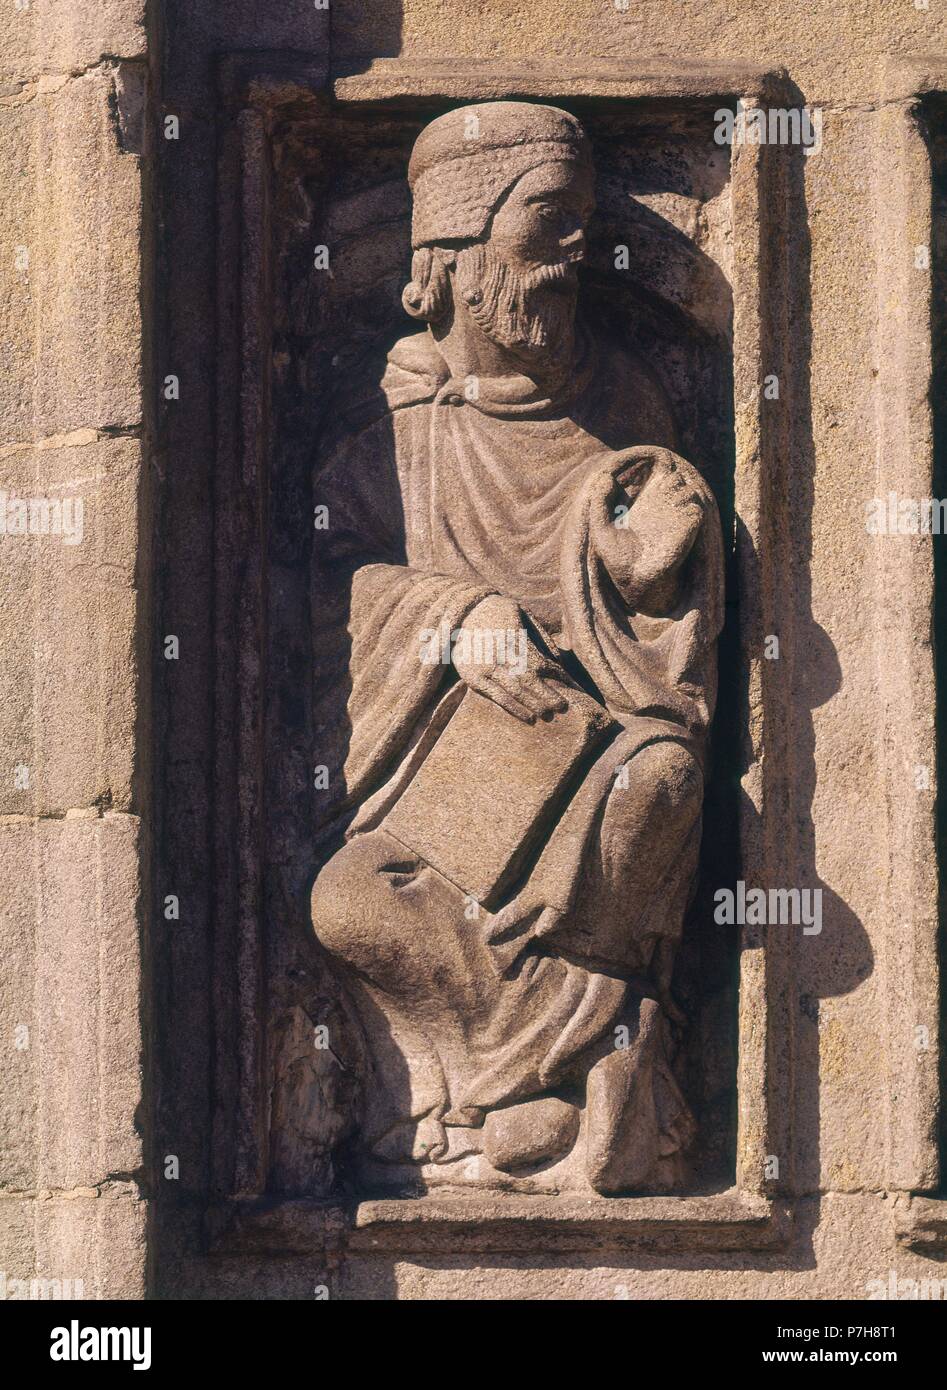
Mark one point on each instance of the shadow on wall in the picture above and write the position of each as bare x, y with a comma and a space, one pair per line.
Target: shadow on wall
839, 958
361, 33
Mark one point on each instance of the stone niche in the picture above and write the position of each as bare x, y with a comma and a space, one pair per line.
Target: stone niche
698, 294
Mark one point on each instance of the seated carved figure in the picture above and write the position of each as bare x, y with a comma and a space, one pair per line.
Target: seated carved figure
519, 589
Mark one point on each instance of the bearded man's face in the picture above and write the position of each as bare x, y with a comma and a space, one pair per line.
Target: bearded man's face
520, 285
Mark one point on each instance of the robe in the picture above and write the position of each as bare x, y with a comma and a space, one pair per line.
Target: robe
440, 493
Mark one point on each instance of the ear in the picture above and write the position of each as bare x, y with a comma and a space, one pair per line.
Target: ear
427, 294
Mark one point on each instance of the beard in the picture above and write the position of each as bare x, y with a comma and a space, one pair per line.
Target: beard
526, 312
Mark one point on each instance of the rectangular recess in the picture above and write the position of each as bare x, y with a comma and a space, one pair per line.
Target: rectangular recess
254, 85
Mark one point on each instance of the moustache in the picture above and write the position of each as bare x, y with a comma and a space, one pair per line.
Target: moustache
561, 272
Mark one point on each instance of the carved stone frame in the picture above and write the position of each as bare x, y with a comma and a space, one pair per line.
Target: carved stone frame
906, 593
754, 1213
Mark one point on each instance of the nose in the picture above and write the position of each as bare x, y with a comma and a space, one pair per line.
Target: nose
574, 244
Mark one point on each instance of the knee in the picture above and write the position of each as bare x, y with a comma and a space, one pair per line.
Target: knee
365, 910
672, 776
676, 770
344, 909
330, 899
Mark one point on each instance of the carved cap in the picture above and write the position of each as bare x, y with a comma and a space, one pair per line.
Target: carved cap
465, 160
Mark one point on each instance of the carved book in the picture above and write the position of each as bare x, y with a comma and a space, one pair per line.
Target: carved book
477, 806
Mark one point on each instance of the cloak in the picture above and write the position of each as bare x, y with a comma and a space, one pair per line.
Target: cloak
441, 492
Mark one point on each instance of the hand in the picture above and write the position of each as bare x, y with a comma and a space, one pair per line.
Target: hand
644, 545
494, 656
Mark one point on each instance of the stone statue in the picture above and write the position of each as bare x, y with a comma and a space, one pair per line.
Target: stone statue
517, 595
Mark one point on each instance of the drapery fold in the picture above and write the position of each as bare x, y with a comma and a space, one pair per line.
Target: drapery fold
450, 496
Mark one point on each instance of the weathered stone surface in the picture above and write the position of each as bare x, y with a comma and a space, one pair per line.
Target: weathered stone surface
842, 1249
19, 1091
98, 1240
74, 569
825, 776
772, 262
69, 657
72, 1089
71, 277
68, 36
829, 53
